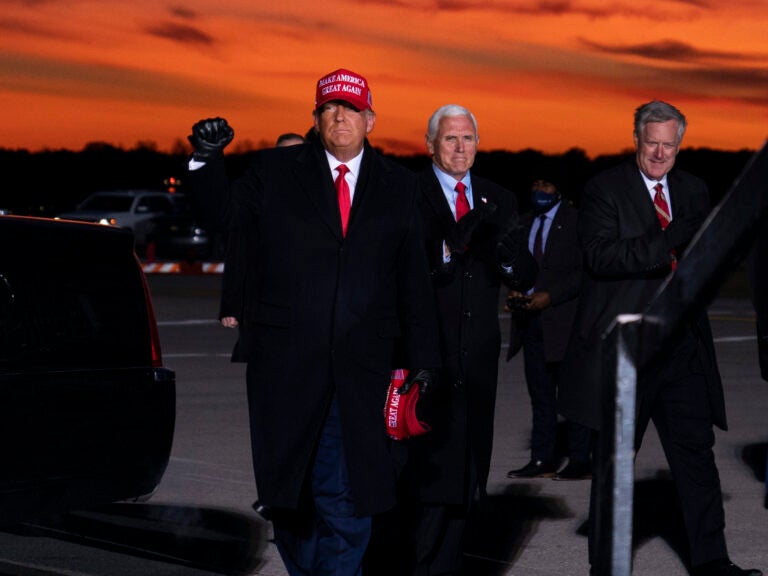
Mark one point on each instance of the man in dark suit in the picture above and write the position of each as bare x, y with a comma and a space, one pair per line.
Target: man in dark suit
541, 323
634, 222
473, 243
339, 275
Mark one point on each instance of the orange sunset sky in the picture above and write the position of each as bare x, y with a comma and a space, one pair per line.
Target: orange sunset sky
549, 75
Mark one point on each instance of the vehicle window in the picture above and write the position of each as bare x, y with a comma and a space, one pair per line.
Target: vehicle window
107, 203
153, 204
65, 312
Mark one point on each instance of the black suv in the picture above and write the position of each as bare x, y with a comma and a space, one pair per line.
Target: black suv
87, 410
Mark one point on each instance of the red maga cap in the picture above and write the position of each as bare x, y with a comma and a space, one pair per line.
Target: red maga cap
400, 418
344, 85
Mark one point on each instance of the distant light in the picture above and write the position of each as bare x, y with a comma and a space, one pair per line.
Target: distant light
171, 184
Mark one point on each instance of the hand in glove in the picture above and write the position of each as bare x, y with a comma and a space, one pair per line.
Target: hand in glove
680, 231
425, 378
209, 138
459, 238
516, 264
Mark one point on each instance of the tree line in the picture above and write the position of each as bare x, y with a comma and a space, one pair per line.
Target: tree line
48, 182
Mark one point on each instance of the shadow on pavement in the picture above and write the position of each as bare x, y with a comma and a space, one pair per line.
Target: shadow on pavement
754, 456
658, 515
219, 541
503, 524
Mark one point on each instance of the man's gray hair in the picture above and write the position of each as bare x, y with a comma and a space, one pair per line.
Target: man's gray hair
658, 111
447, 111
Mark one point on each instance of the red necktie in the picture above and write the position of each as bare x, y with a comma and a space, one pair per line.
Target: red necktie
662, 208
462, 204
342, 193
662, 211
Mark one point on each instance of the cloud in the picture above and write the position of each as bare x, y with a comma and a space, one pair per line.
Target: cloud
592, 10
403, 147
746, 85
737, 83
670, 50
33, 3
17, 26
183, 12
181, 33
69, 79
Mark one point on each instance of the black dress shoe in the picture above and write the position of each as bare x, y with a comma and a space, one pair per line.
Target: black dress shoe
534, 469
575, 470
263, 511
724, 567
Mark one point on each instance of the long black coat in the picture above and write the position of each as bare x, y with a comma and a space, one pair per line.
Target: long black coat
323, 312
560, 275
467, 294
626, 258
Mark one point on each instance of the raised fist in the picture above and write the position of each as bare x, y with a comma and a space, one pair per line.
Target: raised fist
209, 138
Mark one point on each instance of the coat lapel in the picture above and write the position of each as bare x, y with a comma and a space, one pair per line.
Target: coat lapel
677, 193
638, 194
314, 177
433, 193
370, 177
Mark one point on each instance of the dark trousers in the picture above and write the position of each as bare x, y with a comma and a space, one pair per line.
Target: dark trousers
326, 538
674, 396
440, 542
542, 378
438, 530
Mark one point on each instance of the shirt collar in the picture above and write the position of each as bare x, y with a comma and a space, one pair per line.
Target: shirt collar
650, 183
448, 182
353, 164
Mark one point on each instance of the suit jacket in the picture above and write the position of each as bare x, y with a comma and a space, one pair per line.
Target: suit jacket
626, 258
323, 311
560, 275
467, 295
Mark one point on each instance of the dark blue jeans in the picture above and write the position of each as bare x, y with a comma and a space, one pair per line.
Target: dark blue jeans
333, 540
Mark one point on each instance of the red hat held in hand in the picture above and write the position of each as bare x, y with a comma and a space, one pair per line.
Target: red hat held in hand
400, 410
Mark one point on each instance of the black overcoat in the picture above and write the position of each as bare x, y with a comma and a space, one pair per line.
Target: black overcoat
323, 311
467, 295
626, 258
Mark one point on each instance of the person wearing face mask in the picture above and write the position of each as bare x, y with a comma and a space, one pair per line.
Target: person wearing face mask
541, 322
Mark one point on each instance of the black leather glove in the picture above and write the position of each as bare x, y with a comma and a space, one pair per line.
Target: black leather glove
511, 244
680, 231
209, 138
516, 263
425, 378
459, 237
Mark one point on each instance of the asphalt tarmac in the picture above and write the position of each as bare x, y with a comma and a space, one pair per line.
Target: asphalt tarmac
537, 527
